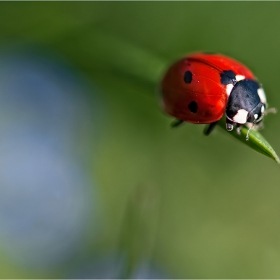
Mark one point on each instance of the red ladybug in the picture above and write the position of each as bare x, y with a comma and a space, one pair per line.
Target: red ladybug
201, 88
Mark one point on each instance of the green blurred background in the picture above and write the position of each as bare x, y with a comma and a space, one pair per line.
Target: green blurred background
182, 204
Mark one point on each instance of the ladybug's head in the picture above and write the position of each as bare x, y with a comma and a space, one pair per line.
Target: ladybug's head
246, 103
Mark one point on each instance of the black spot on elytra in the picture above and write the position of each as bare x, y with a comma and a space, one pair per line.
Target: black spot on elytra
228, 77
193, 107
188, 77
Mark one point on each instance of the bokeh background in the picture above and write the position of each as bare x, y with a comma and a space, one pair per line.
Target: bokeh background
93, 181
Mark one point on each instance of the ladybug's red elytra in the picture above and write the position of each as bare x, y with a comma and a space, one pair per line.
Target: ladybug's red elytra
200, 88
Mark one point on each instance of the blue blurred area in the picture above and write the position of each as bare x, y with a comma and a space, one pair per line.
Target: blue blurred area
48, 197
113, 267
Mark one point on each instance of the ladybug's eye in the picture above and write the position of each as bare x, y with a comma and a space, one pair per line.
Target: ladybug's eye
259, 117
257, 114
251, 118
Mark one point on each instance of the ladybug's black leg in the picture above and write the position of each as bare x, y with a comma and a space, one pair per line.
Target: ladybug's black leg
229, 125
209, 128
238, 128
176, 123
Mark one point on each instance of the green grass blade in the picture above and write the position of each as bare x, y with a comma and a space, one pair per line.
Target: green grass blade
256, 141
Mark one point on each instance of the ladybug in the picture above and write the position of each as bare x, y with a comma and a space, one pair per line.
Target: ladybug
200, 88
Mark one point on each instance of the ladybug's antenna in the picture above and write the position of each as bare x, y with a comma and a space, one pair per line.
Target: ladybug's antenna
248, 132
270, 110
266, 112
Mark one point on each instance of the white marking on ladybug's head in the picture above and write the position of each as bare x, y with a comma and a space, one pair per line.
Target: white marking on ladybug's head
239, 77
256, 116
262, 95
241, 116
229, 88
262, 109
